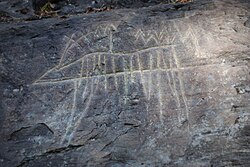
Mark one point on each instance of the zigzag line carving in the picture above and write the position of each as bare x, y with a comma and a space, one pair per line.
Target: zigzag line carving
154, 36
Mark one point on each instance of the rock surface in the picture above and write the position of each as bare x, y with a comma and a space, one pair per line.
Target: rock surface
163, 85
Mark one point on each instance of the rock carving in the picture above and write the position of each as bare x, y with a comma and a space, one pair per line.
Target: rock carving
158, 63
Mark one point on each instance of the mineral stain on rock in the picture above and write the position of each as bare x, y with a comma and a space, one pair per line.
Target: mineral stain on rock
166, 84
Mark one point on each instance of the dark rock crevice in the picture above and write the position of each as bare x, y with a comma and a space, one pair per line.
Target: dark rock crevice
24, 133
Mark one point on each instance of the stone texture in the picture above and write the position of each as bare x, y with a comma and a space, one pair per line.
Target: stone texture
163, 85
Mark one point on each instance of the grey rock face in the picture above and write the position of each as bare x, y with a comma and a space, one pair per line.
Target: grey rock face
164, 85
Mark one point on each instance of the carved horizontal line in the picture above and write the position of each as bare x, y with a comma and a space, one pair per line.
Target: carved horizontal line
92, 55
113, 53
124, 73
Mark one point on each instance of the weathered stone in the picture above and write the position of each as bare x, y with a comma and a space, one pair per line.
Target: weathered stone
163, 85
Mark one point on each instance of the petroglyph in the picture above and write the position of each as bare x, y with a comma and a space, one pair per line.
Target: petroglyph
131, 69
157, 37
182, 91
163, 85
189, 37
84, 91
70, 121
174, 89
87, 62
108, 70
78, 43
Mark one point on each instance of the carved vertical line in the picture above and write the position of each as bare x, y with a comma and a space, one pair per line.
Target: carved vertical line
150, 75
175, 90
164, 56
99, 60
195, 42
141, 75
158, 61
105, 73
85, 89
70, 122
95, 63
82, 68
125, 79
111, 41
93, 88
113, 66
131, 68
160, 95
139, 62
181, 85
99, 66
87, 73
159, 87
142, 81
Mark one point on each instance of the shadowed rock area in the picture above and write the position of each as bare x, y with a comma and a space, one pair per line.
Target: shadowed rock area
147, 83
